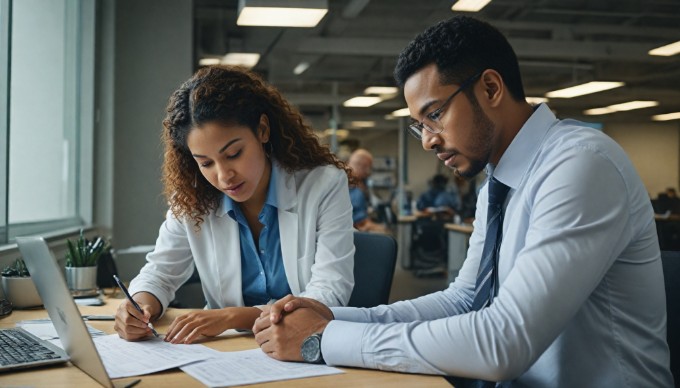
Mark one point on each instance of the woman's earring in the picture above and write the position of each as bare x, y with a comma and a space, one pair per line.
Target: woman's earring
195, 180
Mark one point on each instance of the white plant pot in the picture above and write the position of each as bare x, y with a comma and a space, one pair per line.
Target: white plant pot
21, 292
81, 278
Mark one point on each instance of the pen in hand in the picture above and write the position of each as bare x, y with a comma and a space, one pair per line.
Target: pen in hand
127, 295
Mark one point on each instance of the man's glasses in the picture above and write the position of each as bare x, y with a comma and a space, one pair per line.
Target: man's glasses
432, 121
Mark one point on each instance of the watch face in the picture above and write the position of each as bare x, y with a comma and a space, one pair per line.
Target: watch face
311, 349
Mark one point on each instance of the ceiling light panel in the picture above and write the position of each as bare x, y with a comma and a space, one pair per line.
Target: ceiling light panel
281, 13
361, 102
583, 89
470, 5
667, 50
667, 116
241, 59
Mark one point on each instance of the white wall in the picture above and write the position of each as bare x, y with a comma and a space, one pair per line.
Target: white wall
653, 148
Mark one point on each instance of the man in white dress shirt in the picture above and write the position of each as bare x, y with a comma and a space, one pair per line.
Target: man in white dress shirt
579, 299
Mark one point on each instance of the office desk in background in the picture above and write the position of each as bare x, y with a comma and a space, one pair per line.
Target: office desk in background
404, 236
70, 376
459, 241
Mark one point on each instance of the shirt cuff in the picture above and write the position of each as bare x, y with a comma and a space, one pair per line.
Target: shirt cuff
351, 314
341, 343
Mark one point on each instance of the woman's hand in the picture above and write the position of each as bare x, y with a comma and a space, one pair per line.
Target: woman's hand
188, 328
130, 324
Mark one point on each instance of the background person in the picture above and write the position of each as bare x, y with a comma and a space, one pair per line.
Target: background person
361, 164
257, 205
438, 199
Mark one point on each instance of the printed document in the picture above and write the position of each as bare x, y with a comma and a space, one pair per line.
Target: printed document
250, 367
124, 359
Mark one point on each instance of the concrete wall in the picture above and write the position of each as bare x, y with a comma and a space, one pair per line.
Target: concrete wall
153, 56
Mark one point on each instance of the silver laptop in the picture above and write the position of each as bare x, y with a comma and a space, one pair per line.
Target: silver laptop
51, 285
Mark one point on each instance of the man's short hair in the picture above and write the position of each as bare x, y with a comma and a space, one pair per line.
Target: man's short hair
461, 47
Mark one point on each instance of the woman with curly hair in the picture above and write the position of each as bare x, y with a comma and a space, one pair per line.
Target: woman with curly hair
257, 206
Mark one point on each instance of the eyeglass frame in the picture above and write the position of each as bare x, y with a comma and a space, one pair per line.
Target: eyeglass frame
416, 127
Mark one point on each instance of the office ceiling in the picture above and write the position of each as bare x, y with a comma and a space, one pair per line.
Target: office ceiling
559, 43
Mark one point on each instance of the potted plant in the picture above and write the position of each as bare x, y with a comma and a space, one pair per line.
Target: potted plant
18, 286
81, 263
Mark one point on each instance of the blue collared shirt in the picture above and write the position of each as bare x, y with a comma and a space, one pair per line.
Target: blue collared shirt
359, 204
263, 277
581, 300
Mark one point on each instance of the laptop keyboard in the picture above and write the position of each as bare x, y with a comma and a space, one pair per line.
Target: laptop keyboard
18, 348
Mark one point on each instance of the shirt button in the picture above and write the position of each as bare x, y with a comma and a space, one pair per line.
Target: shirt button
261, 250
261, 272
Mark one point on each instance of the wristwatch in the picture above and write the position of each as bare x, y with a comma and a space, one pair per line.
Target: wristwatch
311, 349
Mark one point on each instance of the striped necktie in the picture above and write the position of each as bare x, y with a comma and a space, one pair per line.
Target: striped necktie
487, 275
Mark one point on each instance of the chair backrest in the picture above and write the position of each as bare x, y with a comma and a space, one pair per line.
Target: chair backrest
671, 274
374, 261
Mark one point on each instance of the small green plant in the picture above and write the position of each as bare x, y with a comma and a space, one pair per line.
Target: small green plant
17, 269
84, 252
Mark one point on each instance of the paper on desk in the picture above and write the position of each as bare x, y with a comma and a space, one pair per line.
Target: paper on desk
250, 367
124, 359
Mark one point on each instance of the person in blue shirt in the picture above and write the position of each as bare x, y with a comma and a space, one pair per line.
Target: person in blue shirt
361, 164
562, 285
257, 206
438, 199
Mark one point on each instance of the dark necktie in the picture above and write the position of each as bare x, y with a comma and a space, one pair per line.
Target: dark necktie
487, 275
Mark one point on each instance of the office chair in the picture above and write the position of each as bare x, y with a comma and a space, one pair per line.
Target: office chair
374, 261
671, 274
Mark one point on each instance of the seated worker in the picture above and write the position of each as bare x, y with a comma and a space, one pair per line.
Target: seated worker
563, 284
361, 164
257, 206
438, 199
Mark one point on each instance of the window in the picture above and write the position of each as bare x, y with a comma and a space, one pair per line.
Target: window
46, 86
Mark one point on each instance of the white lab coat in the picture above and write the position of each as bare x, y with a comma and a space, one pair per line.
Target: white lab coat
317, 244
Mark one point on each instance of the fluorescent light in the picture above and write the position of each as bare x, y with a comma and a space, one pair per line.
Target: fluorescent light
667, 50
469, 5
580, 90
598, 111
241, 59
667, 116
403, 112
299, 13
381, 90
301, 68
625, 106
361, 101
536, 100
362, 124
631, 105
208, 61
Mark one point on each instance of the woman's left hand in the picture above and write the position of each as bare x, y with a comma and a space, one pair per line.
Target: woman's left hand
188, 328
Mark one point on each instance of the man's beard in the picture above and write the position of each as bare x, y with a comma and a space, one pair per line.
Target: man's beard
481, 144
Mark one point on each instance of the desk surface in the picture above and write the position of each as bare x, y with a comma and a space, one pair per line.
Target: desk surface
70, 376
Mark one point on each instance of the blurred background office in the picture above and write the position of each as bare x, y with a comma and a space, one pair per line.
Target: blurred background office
83, 86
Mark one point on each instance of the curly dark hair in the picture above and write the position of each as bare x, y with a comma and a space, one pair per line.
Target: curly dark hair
460, 47
230, 95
